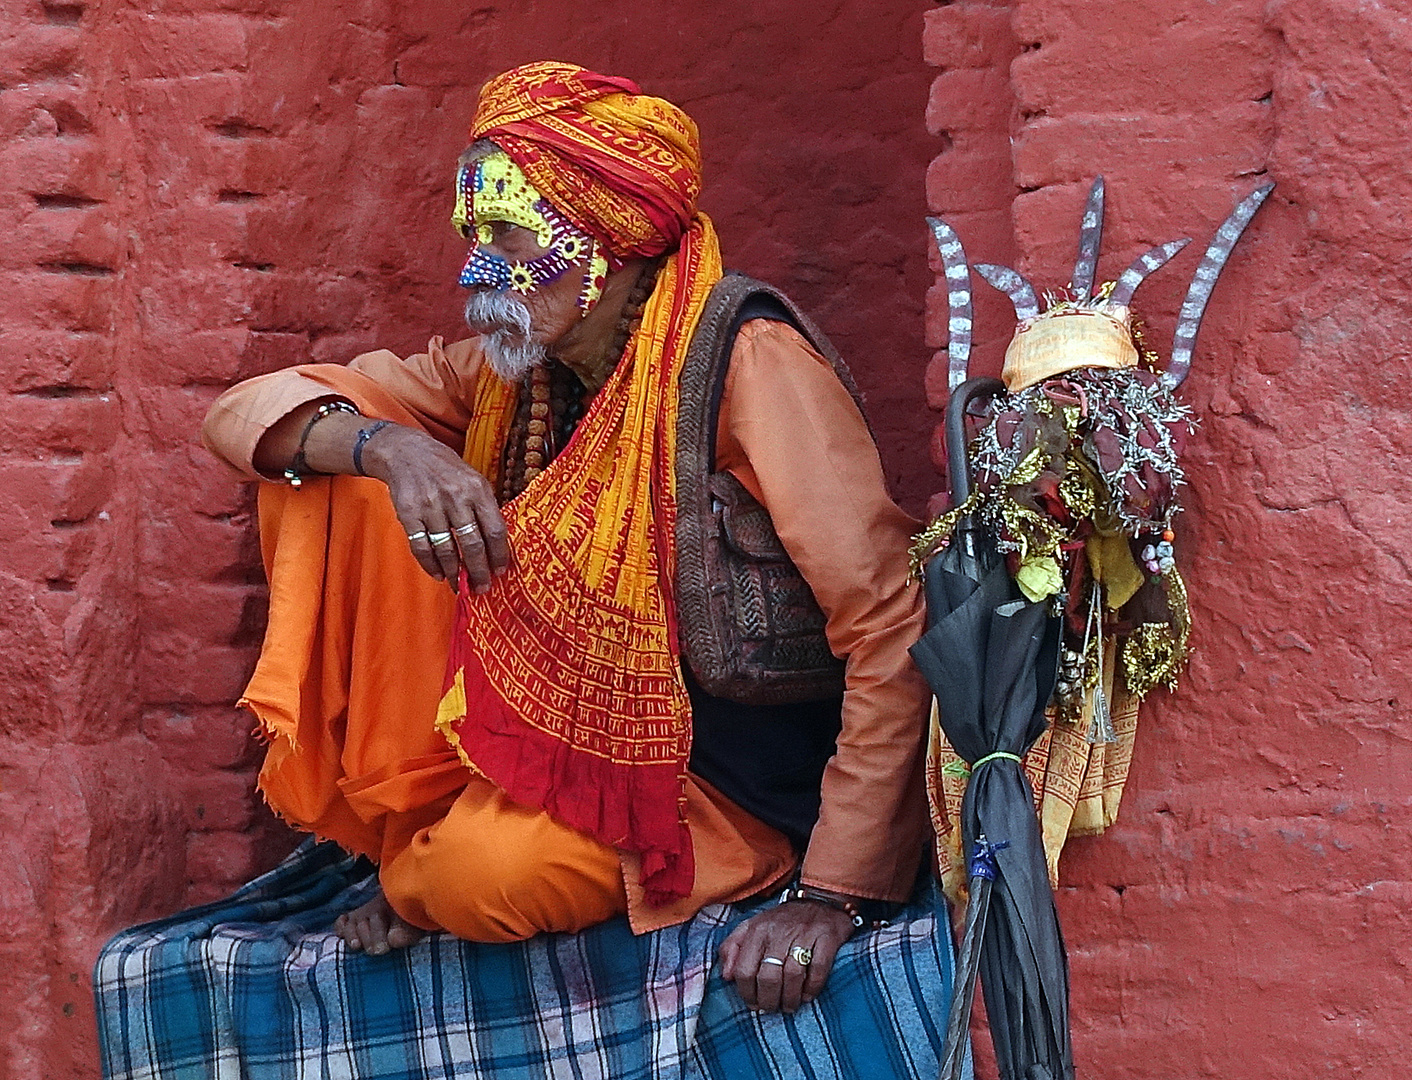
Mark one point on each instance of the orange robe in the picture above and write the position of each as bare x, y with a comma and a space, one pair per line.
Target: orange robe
353, 661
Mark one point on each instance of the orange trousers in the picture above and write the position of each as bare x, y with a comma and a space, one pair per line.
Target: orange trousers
346, 691
488, 869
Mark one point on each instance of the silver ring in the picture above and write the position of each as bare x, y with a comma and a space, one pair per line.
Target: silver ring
801, 956
438, 538
775, 960
466, 530
412, 538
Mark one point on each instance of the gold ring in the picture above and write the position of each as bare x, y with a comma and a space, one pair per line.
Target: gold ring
801, 956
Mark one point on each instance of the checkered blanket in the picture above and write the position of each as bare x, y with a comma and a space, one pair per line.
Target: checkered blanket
257, 986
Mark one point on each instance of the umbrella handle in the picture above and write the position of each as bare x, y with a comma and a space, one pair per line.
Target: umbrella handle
963, 992
956, 465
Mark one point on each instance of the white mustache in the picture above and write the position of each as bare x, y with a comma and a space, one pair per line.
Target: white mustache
505, 324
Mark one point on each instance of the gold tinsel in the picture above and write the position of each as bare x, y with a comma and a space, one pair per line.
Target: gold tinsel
930, 540
1076, 489
1155, 653
1036, 533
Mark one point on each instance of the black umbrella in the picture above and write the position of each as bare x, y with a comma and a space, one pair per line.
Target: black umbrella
991, 658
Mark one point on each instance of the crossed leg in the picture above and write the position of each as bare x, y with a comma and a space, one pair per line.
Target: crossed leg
488, 870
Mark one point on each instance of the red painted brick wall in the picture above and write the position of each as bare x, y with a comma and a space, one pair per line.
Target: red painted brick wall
198, 190
1249, 916
201, 190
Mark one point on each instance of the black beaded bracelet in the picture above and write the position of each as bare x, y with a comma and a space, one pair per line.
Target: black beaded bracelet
838, 903
299, 465
364, 434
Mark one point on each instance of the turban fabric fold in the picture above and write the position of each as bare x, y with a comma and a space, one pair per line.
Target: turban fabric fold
564, 685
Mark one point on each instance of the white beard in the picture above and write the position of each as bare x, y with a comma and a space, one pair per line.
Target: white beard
504, 324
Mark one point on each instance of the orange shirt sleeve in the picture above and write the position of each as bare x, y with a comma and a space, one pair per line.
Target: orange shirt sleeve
436, 387
792, 434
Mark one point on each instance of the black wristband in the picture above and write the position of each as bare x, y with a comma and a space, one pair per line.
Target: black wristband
299, 466
364, 434
798, 892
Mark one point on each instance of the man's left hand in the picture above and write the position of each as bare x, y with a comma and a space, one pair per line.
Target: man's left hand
783, 987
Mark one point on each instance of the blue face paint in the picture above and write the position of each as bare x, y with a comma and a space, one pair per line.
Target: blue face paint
483, 269
566, 248
567, 245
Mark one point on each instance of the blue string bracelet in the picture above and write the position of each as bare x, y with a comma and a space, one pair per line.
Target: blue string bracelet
364, 434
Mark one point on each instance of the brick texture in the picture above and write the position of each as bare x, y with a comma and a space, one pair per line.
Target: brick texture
970, 181
1249, 915
202, 190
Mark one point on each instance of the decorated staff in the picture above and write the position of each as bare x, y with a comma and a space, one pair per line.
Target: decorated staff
1077, 464
1071, 486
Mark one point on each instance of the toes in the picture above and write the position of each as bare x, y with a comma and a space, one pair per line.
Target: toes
375, 929
377, 933
403, 935
343, 927
363, 931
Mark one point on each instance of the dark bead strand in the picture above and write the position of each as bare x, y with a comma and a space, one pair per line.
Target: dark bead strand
512, 479
567, 403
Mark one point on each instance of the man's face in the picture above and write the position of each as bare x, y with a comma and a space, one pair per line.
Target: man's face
553, 305
531, 273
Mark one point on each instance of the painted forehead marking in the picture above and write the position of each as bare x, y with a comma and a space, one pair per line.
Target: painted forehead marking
494, 188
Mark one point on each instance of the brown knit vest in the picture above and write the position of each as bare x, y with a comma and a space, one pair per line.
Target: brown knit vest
751, 629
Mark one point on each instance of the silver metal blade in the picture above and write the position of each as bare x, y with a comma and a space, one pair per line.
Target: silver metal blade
1090, 240
1207, 271
1144, 264
958, 299
1013, 285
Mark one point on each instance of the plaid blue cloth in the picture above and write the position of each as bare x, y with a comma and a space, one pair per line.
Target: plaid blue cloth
257, 986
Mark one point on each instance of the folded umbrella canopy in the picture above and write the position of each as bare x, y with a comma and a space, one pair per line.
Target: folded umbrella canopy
991, 658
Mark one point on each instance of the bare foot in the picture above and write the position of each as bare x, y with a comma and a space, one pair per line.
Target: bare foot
375, 928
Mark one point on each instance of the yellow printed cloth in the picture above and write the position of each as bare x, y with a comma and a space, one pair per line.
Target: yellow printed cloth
1077, 785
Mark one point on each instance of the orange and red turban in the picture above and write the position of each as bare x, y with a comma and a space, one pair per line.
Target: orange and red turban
622, 166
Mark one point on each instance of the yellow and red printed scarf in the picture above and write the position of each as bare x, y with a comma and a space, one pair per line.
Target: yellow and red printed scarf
564, 685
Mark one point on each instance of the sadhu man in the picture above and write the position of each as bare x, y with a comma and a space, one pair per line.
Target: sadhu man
473, 671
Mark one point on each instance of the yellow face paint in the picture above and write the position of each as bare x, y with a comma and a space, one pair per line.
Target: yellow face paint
494, 189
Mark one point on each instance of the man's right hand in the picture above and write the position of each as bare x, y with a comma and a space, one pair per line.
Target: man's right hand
447, 509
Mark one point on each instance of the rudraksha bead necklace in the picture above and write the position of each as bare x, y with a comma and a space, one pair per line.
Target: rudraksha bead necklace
553, 397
